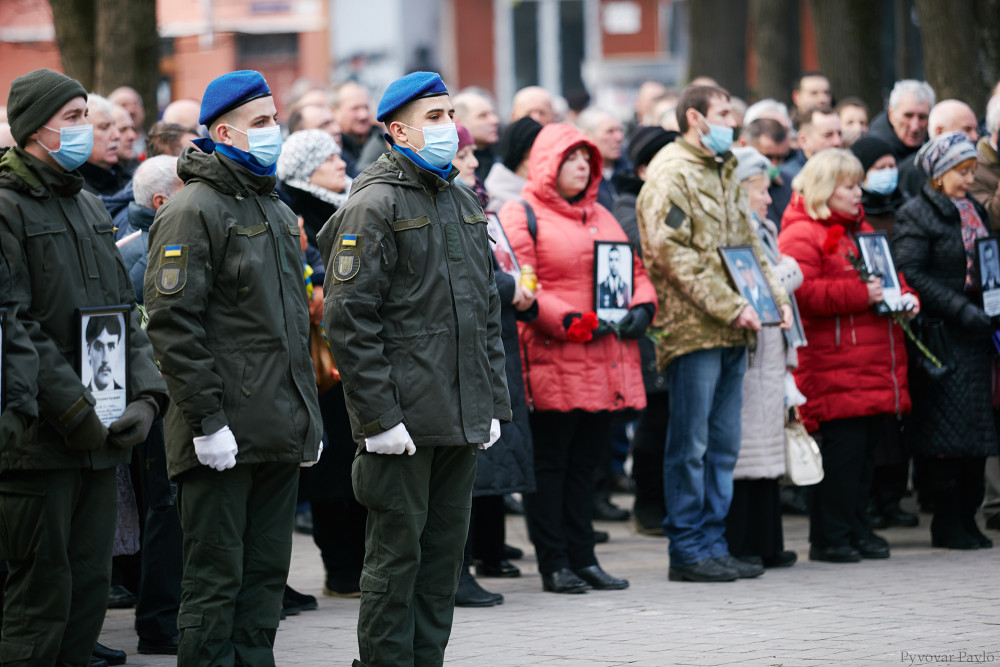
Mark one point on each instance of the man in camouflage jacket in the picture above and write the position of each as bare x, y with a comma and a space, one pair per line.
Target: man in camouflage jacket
690, 206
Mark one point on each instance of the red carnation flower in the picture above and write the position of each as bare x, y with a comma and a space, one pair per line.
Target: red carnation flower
833, 236
578, 332
589, 320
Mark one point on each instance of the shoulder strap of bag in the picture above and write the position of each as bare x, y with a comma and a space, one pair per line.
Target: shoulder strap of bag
532, 221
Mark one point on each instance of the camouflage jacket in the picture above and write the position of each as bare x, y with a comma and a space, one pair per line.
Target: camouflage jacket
690, 205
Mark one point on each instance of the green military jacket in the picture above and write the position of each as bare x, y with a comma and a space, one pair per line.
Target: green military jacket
64, 240
228, 316
19, 382
411, 306
689, 206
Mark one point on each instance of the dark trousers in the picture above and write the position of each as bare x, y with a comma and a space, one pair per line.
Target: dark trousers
753, 525
418, 522
159, 594
957, 485
647, 461
339, 532
56, 536
568, 446
837, 516
487, 531
237, 548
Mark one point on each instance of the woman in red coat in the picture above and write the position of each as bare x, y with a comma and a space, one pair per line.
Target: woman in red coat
853, 371
576, 376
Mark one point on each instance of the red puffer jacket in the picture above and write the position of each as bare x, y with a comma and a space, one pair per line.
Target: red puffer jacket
855, 362
560, 375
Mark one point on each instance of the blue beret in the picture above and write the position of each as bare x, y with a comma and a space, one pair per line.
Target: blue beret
230, 91
411, 87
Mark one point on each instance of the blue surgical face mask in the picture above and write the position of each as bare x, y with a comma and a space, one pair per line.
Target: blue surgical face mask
440, 144
882, 181
75, 145
264, 143
719, 137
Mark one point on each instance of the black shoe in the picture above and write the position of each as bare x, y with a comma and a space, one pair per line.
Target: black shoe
744, 569
502, 569
109, 655
620, 483
955, 540
895, 516
752, 560
841, 554
564, 581
648, 521
471, 594
601, 580
601, 536
993, 523
984, 542
295, 602
604, 510
512, 553
781, 559
120, 597
706, 570
158, 647
512, 505
97, 662
870, 548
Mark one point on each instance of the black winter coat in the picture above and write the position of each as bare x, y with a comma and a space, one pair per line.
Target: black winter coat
508, 466
952, 416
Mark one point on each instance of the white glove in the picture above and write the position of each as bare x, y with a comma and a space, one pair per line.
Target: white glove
310, 464
793, 396
394, 441
909, 301
218, 450
494, 434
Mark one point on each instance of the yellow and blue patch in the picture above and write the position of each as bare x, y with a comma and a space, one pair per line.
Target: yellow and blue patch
348, 240
172, 251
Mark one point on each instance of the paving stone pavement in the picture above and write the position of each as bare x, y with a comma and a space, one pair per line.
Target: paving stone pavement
922, 606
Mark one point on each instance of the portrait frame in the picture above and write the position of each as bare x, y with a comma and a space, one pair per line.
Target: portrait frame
737, 258
877, 255
3, 357
111, 399
989, 273
500, 245
613, 280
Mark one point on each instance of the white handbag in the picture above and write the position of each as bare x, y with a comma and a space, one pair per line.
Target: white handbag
803, 461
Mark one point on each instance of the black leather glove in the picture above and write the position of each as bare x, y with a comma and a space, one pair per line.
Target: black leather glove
636, 321
12, 425
975, 319
603, 329
133, 426
89, 435
568, 320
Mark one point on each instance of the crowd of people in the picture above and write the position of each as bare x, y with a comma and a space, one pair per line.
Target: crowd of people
394, 326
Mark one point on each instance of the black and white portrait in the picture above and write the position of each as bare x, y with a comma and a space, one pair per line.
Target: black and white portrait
878, 260
745, 271
103, 360
612, 280
989, 274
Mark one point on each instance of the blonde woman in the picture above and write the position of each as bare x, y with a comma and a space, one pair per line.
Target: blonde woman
854, 369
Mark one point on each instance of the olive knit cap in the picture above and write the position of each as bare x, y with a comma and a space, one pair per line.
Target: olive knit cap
35, 97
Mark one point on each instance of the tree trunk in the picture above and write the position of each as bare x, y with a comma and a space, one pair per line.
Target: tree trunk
988, 29
718, 42
948, 31
847, 40
128, 49
776, 37
74, 25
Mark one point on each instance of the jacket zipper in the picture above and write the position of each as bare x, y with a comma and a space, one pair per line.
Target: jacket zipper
892, 352
837, 339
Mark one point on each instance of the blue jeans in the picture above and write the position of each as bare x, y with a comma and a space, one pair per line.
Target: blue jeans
703, 441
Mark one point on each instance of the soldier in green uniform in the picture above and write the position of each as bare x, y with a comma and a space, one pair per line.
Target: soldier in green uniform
229, 321
57, 482
413, 318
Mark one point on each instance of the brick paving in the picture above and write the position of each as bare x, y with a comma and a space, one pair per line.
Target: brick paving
922, 606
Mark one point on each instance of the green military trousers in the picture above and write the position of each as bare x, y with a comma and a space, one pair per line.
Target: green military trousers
418, 521
237, 547
56, 532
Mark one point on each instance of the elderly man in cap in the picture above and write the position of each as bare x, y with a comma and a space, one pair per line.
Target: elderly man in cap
229, 321
57, 482
413, 317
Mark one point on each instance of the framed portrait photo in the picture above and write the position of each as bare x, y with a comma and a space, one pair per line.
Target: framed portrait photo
745, 271
103, 358
501, 247
878, 260
988, 253
613, 280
